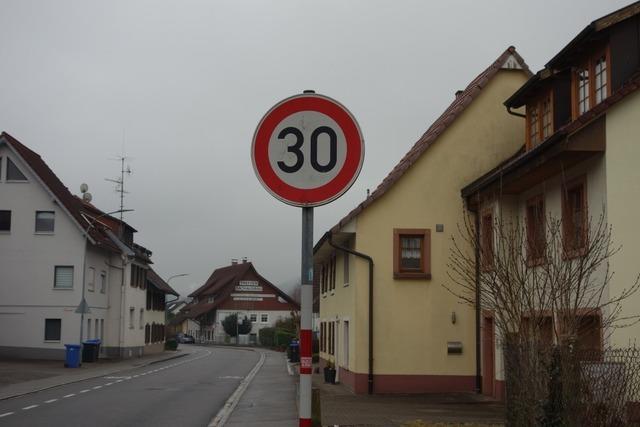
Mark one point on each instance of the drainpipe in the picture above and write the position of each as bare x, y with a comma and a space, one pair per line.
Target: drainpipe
478, 317
370, 261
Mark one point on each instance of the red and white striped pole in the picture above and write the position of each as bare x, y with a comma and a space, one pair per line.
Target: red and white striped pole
306, 307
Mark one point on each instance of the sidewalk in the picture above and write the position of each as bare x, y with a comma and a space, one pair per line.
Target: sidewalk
19, 377
270, 399
339, 406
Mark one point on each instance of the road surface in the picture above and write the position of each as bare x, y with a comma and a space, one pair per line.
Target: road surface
188, 391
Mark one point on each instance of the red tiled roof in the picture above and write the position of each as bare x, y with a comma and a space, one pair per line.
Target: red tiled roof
159, 283
220, 278
457, 107
70, 203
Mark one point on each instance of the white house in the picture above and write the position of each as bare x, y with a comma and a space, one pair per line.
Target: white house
54, 249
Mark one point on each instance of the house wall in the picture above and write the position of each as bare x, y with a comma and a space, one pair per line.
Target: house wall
623, 204
412, 318
27, 295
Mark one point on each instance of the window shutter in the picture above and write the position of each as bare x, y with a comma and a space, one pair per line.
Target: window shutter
64, 277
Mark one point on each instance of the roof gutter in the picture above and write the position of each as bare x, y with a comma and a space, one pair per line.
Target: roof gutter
370, 261
513, 113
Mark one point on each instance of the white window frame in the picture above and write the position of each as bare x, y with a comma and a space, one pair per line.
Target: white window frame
142, 318
55, 277
103, 281
35, 225
253, 317
132, 315
91, 280
262, 317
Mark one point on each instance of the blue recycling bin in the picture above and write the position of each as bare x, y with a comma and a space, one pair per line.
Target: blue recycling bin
72, 356
294, 351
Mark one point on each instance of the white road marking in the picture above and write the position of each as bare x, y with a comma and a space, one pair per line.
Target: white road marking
135, 376
6, 414
119, 381
97, 387
68, 395
85, 391
26, 408
108, 384
50, 400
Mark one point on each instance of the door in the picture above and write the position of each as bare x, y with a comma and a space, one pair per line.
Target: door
488, 357
345, 346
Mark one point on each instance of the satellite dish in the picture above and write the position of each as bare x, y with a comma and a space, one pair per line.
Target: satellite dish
87, 197
84, 188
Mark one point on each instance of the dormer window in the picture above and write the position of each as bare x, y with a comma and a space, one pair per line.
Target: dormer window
539, 119
591, 82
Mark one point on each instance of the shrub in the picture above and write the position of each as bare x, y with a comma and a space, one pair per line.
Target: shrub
171, 344
267, 336
232, 328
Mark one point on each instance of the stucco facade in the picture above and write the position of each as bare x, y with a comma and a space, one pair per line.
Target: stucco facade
416, 319
37, 304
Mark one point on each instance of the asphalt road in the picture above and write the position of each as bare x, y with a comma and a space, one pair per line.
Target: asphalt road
187, 391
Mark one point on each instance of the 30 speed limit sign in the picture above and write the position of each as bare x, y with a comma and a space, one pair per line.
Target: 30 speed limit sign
307, 150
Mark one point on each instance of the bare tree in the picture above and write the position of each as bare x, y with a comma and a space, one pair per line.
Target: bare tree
547, 285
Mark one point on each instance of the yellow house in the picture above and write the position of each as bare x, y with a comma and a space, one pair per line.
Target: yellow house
387, 323
577, 159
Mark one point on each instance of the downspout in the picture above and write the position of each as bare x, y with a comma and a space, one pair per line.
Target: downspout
370, 261
478, 317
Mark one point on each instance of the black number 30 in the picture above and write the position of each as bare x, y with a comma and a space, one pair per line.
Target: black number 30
295, 149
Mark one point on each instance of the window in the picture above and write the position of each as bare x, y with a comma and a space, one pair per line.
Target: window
600, 78
141, 318
323, 278
88, 329
331, 337
138, 277
132, 314
63, 277
103, 282
591, 82
332, 272
210, 299
13, 173
582, 81
486, 241
533, 125
102, 329
52, 329
412, 253
539, 119
97, 325
5, 220
323, 336
574, 217
536, 238
91, 279
253, 317
547, 118
345, 268
45, 221
264, 318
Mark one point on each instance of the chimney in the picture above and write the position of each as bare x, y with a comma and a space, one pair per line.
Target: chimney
234, 261
244, 259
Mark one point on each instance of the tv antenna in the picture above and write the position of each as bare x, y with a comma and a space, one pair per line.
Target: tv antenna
124, 170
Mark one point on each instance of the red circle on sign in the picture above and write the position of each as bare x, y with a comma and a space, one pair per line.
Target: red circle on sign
308, 196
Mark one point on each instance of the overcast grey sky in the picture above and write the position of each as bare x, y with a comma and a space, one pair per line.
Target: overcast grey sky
181, 85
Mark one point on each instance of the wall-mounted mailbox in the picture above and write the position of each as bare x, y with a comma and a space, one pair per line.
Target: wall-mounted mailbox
454, 347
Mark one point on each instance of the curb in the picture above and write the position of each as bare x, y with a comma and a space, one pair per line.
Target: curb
92, 377
225, 412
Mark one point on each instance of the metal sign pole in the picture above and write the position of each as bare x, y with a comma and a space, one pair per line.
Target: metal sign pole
306, 316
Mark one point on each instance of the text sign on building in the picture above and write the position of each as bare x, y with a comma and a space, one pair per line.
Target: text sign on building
248, 286
307, 150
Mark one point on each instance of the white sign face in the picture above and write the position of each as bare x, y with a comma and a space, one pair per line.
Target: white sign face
248, 286
247, 299
311, 165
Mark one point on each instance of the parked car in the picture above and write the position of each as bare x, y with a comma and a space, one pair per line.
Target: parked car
185, 338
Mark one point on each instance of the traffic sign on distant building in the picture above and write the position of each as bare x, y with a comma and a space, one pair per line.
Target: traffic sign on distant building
307, 150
